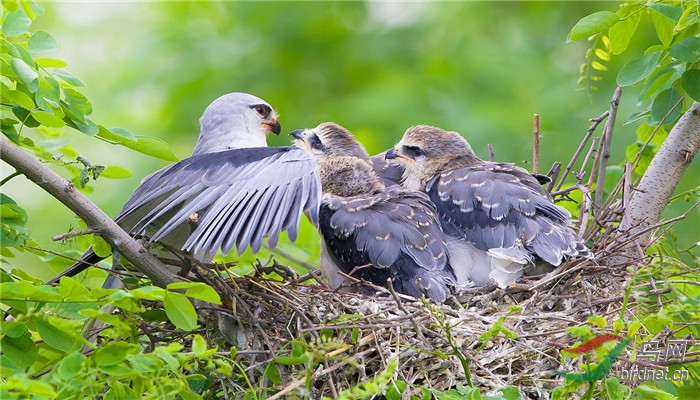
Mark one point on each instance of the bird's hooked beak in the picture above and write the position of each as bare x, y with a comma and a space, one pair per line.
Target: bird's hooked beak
272, 125
298, 135
393, 154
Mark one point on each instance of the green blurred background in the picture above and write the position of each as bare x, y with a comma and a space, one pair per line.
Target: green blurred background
480, 68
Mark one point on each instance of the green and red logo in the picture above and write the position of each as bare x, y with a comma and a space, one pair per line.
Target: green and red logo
604, 366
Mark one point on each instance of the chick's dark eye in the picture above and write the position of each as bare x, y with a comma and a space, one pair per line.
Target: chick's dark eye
262, 110
413, 151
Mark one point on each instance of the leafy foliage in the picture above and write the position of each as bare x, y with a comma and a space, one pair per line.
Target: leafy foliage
39, 99
667, 69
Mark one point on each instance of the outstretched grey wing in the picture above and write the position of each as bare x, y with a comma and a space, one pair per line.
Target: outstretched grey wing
240, 196
389, 233
501, 206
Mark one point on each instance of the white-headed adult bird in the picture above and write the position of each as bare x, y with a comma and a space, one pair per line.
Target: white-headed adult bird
496, 216
371, 232
233, 191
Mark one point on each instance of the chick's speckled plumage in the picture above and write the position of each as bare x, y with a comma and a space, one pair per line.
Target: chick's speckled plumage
496, 216
371, 232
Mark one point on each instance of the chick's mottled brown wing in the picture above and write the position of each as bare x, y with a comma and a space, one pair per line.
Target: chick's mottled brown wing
388, 233
501, 206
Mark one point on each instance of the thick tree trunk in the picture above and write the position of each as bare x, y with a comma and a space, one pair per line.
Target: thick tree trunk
650, 198
65, 192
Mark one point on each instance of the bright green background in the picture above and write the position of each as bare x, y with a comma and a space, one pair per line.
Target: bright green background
480, 68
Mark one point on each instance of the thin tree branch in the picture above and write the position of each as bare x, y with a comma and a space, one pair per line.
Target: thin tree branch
589, 133
8, 177
606, 140
536, 145
65, 192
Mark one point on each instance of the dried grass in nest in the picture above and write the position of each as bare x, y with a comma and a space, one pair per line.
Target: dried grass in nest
355, 336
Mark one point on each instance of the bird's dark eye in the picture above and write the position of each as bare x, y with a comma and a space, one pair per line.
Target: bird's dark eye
413, 151
316, 144
262, 109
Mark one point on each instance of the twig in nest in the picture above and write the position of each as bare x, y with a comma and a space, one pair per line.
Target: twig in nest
536, 145
492, 154
591, 129
419, 332
294, 259
606, 140
286, 272
615, 244
72, 234
553, 174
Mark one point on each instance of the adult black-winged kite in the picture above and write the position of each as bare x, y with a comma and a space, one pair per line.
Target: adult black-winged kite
231, 193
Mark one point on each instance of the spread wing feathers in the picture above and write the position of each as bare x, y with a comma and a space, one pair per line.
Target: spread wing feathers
388, 233
240, 196
501, 206
389, 173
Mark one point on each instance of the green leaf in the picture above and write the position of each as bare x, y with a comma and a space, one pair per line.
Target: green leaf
664, 28
199, 345
687, 50
14, 329
50, 62
671, 12
42, 42
152, 293
691, 83
16, 23
101, 247
621, 33
21, 99
180, 311
48, 119
395, 390
153, 147
197, 382
20, 350
647, 392
662, 105
638, 69
77, 102
26, 74
592, 24
115, 172
114, 353
121, 132
197, 290
273, 374
59, 339
68, 77
71, 365
89, 128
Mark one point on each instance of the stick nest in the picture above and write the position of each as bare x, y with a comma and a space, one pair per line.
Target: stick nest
352, 337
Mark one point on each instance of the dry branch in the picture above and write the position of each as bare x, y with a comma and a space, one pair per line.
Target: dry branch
96, 220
